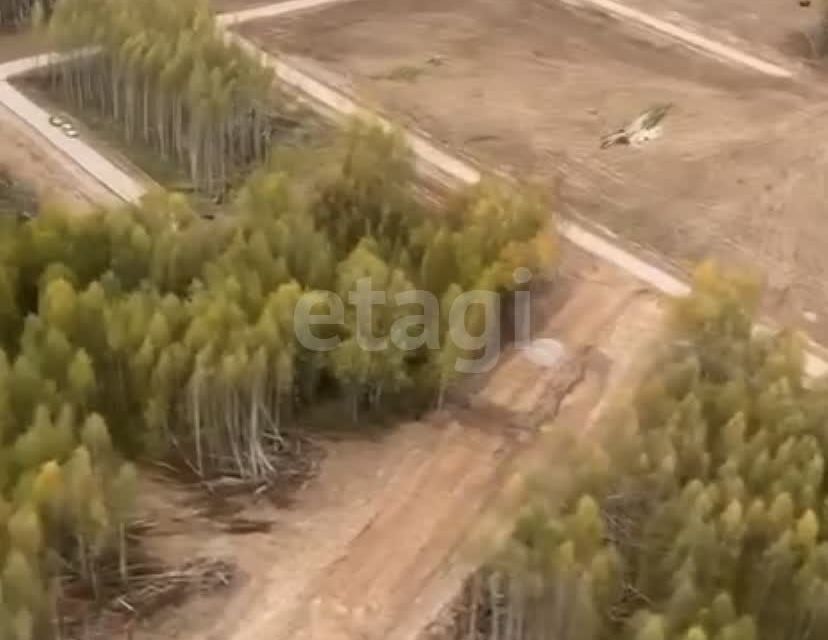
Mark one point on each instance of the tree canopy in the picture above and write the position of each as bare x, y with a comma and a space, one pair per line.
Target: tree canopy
152, 331
164, 72
698, 511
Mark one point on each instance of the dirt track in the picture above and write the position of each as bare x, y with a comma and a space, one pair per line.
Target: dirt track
375, 545
32, 160
530, 87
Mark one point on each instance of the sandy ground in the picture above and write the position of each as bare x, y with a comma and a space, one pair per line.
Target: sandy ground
377, 543
20, 44
774, 28
33, 161
529, 87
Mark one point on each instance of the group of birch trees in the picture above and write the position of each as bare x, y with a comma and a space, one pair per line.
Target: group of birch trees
700, 514
153, 331
165, 74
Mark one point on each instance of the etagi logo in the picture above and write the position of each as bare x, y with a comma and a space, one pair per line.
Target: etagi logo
468, 324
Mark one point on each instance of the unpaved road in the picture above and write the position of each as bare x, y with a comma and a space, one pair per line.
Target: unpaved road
376, 544
529, 86
33, 160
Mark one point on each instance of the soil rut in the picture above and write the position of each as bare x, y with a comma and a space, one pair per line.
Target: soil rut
409, 553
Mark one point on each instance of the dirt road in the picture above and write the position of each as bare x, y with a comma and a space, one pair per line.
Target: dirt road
32, 159
376, 544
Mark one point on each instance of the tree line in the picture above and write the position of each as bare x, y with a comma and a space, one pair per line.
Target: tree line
163, 72
699, 514
152, 331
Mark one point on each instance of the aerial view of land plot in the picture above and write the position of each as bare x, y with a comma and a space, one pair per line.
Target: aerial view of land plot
413, 320
531, 88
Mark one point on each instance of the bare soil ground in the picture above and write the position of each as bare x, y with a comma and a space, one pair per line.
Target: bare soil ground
771, 27
529, 87
30, 159
376, 544
16, 44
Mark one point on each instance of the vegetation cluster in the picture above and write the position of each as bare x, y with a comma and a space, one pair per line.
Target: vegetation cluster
701, 513
155, 332
166, 75
152, 331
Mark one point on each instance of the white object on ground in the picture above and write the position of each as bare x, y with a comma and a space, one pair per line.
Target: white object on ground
643, 136
544, 352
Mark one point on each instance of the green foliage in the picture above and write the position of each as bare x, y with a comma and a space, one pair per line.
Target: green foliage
151, 330
166, 75
708, 496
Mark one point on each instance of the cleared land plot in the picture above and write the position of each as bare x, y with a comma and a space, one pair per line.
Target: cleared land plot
530, 88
